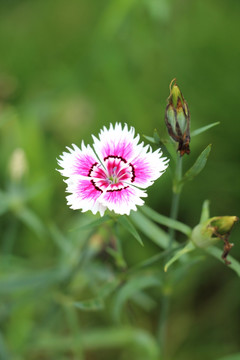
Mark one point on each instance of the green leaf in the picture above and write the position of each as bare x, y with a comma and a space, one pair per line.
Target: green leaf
150, 139
188, 248
123, 220
198, 166
29, 218
144, 300
157, 137
118, 257
217, 253
132, 286
93, 224
166, 147
101, 338
164, 220
90, 305
108, 288
152, 231
205, 212
203, 129
60, 240
153, 259
97, 303
31, 280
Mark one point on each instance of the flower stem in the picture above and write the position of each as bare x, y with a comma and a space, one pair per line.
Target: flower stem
177, 187
175, 198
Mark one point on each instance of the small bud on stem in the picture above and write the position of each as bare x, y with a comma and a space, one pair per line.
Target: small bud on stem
177, 119
215, 228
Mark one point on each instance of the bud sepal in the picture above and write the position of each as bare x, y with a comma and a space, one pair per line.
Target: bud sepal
177, 119
212, 230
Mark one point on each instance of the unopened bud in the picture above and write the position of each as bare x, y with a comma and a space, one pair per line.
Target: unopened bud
177, 119
223, 224
215, 229
18, 165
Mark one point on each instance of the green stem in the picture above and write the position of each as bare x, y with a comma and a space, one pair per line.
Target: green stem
163, 323
175, 198
173, 215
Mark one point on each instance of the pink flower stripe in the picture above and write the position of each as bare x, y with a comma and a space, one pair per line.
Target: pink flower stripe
111, 177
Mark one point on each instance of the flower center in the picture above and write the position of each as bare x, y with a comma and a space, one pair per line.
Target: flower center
113, 176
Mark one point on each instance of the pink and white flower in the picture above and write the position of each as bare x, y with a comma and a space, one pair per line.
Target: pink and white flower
114, 174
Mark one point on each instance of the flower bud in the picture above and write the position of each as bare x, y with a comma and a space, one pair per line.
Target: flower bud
215, 229
224, 224
18, 165
177, 119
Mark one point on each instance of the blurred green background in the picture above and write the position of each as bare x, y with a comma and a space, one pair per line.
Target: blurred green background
66, 69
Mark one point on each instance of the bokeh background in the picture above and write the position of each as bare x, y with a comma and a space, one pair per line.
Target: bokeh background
66, 69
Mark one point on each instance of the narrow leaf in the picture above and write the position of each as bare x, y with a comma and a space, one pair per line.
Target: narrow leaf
133, 286
205, 212
117, 256
31, 281
123, 220
97, 303
100, 338
152, 231
164, 220
93, 224
150, 139
90, 305
108, 288
144, 300
166, 147
29, 218
157, 137
60, 240
204, 128
188, 248
198, 166
153, 259
217, 253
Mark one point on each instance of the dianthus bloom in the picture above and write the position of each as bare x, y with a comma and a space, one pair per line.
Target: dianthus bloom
112, 175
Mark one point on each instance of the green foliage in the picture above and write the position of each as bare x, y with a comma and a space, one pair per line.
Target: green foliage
217, 253
188, 248
164, 220
198, 166
99, 339
205, 214
151, 231
123, 220
91, 225
203, 129
132, 288
67, 289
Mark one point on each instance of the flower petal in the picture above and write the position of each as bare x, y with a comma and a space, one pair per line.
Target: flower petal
116, 141
148, 166
77, 161
111, 178
85, 195
122, 200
